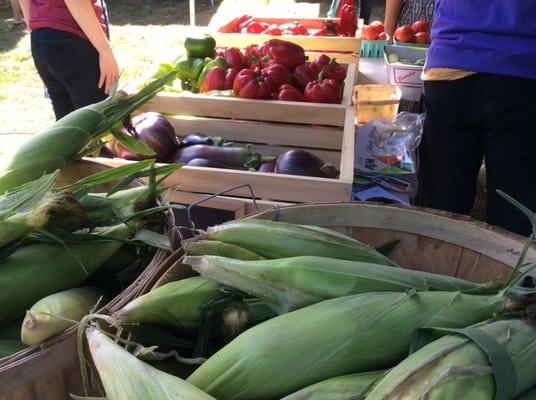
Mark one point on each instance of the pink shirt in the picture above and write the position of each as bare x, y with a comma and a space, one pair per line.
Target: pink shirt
54, 14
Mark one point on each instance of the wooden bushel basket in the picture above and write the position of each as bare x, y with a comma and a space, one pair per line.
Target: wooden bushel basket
51, 371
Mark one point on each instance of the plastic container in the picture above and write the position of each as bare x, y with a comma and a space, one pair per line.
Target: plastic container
372, 48
406, 76
410, 44
376, 102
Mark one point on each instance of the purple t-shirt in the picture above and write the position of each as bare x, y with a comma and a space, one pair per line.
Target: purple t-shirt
489, 36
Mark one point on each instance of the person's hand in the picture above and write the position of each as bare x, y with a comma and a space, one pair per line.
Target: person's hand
109, 70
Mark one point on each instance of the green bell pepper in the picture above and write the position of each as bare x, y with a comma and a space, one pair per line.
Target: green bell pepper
189, 68
217, 62
200, 46
220, 93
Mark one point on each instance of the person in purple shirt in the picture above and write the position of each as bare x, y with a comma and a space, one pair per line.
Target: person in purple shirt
480, 81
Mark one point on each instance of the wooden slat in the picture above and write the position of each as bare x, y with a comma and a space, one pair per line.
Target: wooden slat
348, 148
321, 137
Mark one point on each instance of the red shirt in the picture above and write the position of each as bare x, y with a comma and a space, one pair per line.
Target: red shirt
54, 14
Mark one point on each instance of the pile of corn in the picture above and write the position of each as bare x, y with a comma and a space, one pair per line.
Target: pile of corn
282, 311
65, 251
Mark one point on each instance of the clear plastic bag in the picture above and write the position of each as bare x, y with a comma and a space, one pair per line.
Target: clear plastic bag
385, 152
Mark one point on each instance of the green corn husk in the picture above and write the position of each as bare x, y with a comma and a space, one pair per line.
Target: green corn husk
530, 395
65, 141
359, 333
196, 247
280, 240
343, 387
9, 347
124, 377
287, 284
454, 367
38, 270
54, 313
176, 303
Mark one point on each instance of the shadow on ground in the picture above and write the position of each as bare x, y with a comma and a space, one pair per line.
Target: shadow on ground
9, 34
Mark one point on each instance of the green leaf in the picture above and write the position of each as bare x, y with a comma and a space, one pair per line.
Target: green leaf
153, 239
131, 143
109, 175
164, 69
25, 197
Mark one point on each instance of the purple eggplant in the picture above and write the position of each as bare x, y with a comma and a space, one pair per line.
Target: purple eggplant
203, 162
233, 156
154, 130
195, 138
267, 167
301, 162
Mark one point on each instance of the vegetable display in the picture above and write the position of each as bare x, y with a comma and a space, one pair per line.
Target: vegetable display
418, 32
258, 72
346, 26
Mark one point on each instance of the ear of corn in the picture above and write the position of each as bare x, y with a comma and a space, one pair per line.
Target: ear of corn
346, 335
67, 138
9, 347
124, 377
279, 240
56, 269
54, 313
344, 387
290, 283
454, 367
195, 247
176, 303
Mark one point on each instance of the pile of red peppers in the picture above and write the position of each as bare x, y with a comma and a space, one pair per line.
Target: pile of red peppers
277, 70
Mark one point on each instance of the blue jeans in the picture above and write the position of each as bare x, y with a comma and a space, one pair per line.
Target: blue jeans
69, 68
483, 116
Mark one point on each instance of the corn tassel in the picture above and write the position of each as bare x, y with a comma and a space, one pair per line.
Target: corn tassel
339, 388
64, 141
359, 333
176, 303
196, 247
125, 377
280, 240
54, 313
38, 270
454, 367
287, 284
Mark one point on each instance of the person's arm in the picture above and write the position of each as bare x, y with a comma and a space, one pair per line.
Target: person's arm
84, 14
392, 13
25, 7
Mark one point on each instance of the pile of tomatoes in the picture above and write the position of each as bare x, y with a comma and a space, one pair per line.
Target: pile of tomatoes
375, 31
418, 32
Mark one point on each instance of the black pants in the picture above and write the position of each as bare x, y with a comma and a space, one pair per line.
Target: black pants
481, 116
69, 68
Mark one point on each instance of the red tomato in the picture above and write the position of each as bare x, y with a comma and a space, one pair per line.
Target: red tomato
383, 36
404, 34
422, 38
420, 26
370, 32
378, 25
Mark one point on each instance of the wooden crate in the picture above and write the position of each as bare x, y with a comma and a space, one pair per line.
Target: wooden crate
334, 144
251, 109
225, 36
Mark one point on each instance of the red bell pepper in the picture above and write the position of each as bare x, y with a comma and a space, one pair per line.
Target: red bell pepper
253, 56
289, 93
319, 63
250, 84
285, 53
242, 22
294, 28
230, 76
303, 74
278, 74
234, 57
214, 80
333, 70
342, 4
255, 27
323, 91
273, 30
348, 25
